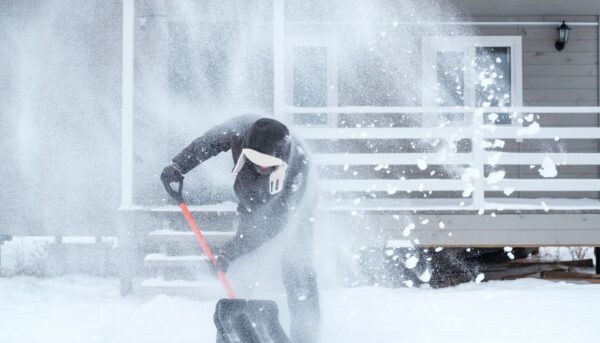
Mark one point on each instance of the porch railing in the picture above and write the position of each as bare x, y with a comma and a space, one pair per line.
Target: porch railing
482, 136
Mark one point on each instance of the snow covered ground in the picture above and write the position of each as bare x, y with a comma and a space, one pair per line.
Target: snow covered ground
80, 308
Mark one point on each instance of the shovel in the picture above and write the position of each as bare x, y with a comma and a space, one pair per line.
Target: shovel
237, 320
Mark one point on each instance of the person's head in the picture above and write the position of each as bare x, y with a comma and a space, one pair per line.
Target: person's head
269, 137
267, 146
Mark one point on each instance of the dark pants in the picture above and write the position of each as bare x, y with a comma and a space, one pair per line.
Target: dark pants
299, 277
300, 282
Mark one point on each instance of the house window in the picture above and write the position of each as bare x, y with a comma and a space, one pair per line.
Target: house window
310, 83
493, 87
481, 71
311, 77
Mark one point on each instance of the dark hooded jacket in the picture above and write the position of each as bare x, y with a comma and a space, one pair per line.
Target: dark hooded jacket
262, 215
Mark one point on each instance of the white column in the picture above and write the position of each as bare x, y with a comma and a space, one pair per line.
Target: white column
127, 104
478, 160
279, 58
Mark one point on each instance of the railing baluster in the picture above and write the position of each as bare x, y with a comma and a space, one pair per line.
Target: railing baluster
478, 159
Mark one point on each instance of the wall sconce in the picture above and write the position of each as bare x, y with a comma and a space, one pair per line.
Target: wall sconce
563, 36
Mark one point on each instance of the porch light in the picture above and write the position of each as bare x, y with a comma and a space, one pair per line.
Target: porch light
563, 36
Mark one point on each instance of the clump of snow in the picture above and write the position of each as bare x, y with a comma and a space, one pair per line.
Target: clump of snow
411, 262
548, 168
426, 276
480, 277
530, 130
508, 190
529, 117
495, 177
408, 229
545, 207
422, 164
441, 225
498, 143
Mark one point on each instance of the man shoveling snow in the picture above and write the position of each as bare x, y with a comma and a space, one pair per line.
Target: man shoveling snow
272, 171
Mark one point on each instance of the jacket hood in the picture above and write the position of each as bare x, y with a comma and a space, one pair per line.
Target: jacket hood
270, 137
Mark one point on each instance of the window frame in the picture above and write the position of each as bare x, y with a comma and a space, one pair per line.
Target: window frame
328, 42
467, 45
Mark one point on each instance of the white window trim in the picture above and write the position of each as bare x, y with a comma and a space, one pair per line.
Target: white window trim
431, 45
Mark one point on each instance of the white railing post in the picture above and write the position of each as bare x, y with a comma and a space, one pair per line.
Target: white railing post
127, 104
478, 159
279, 59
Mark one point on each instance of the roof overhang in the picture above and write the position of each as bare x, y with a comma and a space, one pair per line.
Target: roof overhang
529, 7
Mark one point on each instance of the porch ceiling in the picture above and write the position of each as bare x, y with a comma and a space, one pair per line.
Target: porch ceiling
529, 7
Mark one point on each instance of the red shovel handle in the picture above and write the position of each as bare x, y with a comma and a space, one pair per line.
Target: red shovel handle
206, 249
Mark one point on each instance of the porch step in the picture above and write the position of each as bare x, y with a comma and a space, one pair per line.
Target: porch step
212, 237
208, 288
159, 260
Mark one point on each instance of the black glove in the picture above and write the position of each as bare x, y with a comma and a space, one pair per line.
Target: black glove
222, 265
171, 173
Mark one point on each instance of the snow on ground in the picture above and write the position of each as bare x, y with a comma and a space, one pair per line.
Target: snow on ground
87, 309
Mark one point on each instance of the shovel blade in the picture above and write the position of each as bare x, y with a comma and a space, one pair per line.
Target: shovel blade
248, 321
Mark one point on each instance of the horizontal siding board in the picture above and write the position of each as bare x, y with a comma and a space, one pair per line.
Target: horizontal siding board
491, 18
563, 70
586, 45
570, 145
560, 195
561, 94
551, 146
567, 82
548, 185
569, 121
500, 238
570, 159
556, 18
549, 33
560, 103
568, 171
497, 31
560, 58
